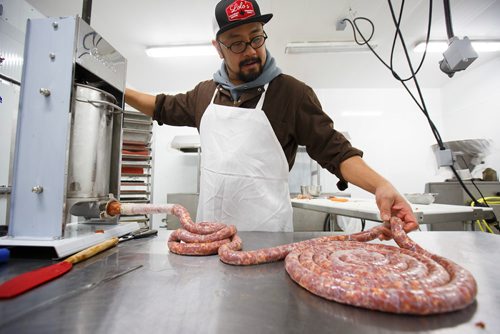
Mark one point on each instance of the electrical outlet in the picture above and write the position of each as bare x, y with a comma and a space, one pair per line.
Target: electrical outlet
444, 157
340, 26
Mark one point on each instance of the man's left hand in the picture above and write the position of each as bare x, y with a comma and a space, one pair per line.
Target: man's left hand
391, 203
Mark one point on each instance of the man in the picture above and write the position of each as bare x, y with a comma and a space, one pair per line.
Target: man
251, 119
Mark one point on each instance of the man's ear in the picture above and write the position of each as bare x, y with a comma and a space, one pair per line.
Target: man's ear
218, 48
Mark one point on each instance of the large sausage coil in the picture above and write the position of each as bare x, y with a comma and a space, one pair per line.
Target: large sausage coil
342, 268
381, 277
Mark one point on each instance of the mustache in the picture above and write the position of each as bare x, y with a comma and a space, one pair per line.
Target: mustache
250, 60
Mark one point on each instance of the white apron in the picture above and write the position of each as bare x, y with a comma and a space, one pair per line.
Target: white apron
244, 171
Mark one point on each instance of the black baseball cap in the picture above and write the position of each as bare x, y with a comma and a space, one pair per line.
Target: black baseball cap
230, 14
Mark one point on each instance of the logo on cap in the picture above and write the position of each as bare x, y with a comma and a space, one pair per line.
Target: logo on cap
239, 10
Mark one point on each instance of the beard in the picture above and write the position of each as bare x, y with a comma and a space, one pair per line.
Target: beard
253, 73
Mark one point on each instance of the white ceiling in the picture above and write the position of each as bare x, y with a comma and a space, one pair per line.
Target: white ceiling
131, 25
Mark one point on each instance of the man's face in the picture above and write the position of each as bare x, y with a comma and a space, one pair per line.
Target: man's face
246, 66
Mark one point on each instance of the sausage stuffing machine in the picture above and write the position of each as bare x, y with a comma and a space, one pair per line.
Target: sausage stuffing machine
68, 139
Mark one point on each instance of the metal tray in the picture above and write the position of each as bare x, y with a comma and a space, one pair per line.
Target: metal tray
135, 136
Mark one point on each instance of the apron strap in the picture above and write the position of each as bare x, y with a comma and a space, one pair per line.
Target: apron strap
261, 101
215, 93
259, 104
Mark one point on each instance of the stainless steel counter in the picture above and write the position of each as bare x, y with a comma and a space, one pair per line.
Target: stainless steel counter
168, 293
425, 214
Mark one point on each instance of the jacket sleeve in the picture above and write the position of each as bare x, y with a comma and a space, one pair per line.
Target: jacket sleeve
323, 143
177, 110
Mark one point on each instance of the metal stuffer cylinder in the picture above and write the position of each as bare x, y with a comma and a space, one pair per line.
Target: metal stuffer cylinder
90, 143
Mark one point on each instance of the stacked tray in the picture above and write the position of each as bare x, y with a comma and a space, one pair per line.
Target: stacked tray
137, 163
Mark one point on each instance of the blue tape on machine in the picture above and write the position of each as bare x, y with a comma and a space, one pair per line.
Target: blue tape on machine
4, 255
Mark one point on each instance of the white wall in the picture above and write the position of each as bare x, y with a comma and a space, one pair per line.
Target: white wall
395, 139
174, 171
471, 108
391, 131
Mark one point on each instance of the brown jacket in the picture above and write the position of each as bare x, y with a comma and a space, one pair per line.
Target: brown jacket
290, 105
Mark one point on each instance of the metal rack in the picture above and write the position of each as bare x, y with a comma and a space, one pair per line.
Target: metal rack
188, 144
137, 163
314, 167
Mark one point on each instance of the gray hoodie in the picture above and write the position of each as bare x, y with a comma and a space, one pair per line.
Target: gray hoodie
269, 72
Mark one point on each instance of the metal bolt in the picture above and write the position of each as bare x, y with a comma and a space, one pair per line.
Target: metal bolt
37, 189
5, 189
52, 55
55, 25
45, 92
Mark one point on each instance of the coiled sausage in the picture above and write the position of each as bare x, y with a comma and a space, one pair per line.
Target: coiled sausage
342, 268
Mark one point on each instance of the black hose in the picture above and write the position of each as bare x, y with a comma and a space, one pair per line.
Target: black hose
447, 16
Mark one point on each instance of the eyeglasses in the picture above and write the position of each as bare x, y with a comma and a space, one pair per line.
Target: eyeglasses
241, 46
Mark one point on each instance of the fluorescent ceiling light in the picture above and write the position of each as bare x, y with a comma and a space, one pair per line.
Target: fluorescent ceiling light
325, 47
441, 46
181, 50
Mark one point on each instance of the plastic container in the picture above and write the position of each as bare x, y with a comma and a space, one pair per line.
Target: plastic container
425, 198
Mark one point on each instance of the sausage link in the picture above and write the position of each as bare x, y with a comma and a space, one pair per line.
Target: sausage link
232, 256
341, 268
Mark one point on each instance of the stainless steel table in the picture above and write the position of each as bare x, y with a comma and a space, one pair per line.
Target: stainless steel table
180, 294
367, 209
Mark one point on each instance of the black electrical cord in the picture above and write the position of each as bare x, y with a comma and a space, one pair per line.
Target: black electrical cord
447, 16
459, 179
366, 40
421, 105
398, 23
9, 79
398, 33
327, 223
494, 220
435, 131
424, 108
475, 185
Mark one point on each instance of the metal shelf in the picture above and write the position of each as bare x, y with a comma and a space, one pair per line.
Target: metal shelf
137, 155
135, 175
130, 183
135, 165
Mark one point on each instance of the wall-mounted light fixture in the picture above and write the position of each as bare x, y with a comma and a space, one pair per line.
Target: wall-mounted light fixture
441, 46
325, 47
181, 50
